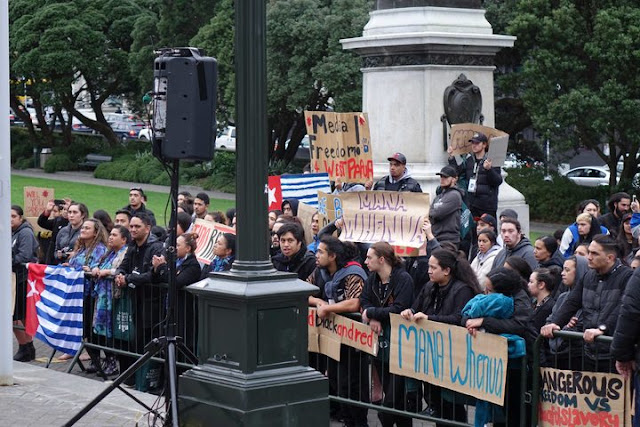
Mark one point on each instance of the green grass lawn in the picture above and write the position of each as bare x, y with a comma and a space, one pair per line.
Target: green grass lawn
100, 197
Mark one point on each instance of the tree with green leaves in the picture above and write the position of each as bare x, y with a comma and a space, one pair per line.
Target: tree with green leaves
72, 49
306, 66
579, 80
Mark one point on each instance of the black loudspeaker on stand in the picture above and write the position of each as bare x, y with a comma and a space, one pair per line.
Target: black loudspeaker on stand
184, 101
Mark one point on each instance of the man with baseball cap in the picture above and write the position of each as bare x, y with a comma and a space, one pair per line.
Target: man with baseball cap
446, 208
398, 178
482, 179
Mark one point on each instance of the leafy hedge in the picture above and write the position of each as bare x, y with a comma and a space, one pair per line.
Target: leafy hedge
554, 201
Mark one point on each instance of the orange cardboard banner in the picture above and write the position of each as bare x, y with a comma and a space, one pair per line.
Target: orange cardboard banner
327, 334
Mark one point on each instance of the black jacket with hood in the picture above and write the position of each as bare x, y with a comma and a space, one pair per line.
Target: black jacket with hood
302, 263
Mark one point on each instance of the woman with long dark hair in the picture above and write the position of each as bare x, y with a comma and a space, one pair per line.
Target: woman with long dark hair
24, 249
388, 289
77, 213
452, 284
627, 245
488, 248
90, 246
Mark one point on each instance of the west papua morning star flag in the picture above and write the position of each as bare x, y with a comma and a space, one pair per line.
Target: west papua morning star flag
303, 187
54, 306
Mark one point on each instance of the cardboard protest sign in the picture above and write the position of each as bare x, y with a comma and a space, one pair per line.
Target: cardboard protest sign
390, 216
326, 335
340, 144
208, 232
577, 398
498, 140
329, 208
305, 214
448, 356
36, 199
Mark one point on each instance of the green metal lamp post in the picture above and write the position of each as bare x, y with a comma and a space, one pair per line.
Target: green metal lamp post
252, 332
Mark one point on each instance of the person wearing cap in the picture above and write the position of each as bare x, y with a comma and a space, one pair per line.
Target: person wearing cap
136, 205
482, 179
446, 208
508, 213
399, 178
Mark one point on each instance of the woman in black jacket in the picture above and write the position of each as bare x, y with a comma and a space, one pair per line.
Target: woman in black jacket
452, 284
53, 218
388, 289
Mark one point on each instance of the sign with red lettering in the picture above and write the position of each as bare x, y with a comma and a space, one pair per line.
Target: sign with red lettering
579, 398
327, 334
36, 199
498, 140
208, 232
340, 144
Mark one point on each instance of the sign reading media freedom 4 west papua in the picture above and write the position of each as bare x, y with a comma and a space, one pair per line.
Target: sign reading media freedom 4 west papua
498, 140
340, 144
328, 334
577, 398
448, 356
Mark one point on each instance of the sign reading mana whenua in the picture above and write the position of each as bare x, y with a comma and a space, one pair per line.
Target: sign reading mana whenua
340, 144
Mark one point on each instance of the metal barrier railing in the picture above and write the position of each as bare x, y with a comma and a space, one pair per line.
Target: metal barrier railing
138, 316
566, 359
357, 382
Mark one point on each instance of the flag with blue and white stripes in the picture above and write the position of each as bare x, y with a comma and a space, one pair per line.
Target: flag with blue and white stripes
54, 306
305, 187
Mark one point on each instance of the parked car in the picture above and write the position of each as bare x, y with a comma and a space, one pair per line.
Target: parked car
302, 153
12, 117
590, 176
125, 131
145, 134
226, 139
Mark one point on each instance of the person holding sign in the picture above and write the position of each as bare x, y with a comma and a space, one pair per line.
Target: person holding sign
341, 281
399, 178
452, 284
388, 289
483, 179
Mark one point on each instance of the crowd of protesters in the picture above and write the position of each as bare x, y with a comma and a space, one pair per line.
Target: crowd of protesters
492, 279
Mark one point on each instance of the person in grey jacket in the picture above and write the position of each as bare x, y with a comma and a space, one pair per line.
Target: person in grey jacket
446, 208
24, 249
599, 296
515, 244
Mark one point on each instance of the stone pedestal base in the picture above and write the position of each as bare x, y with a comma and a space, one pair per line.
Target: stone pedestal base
286, 397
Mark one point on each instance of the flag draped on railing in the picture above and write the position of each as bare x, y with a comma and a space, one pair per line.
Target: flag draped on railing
54, 306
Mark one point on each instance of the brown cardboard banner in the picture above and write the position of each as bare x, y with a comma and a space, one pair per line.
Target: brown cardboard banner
448, 356
498, 140
578, 398
208, 232
340, 144
36, 199
328, 333
391, 216
305, 214
327, 206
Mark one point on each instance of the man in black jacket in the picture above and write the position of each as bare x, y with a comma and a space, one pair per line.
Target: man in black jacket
599, 295
293, 256
482, 179
446, 208
618, 204
627, 336
136, 204
134, 275
399, 178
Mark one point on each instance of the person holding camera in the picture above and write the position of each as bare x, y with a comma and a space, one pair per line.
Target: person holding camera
66, 239
54, 219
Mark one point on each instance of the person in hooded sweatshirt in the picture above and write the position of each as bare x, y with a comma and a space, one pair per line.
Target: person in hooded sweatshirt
294, 256
545, 251
399, 178
488, 248
446, 208
24, 249
290, 207
515, 244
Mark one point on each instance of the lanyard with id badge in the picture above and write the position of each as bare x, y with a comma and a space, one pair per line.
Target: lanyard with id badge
474, 179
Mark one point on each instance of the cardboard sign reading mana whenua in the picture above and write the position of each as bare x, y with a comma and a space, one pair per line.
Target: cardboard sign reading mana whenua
340, 144
326, 335
448, 356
